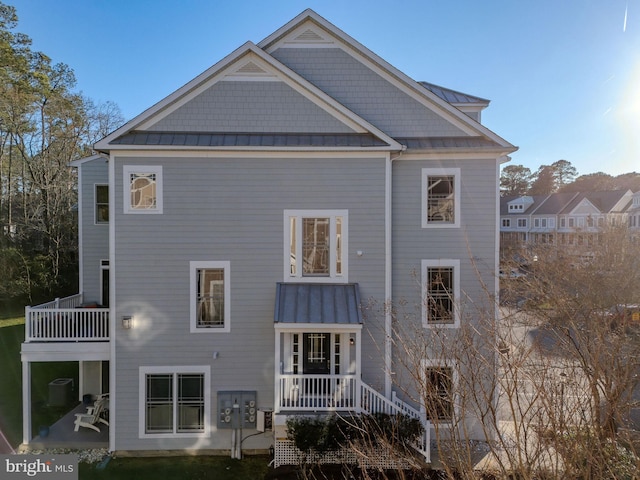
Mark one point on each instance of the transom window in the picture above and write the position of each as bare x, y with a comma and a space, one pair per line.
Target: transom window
316, 245
441, 197
442, 290
102, 204
174, 401
210, 292
142, 189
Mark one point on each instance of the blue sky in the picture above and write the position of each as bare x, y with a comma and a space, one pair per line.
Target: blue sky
563, 76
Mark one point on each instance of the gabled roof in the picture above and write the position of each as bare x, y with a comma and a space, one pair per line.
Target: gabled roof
252, 62
91, 158
554, 203
252, 58
534, 202
303, 26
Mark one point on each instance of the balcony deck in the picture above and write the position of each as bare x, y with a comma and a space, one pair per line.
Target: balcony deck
66, 320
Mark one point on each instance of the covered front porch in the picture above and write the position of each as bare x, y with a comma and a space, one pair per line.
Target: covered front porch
317, 347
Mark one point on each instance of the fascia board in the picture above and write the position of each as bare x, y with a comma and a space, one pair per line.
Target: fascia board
77, 163
384, 69
173, 148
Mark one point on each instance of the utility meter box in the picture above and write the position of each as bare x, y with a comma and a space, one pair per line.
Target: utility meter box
265, 420
237, 409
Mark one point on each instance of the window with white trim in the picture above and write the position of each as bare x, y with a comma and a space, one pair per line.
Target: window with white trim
506, 222
142, 188
102, 204
315, 245
441, 283
440, 197
439, 390
522, 223
210, 292
174, 401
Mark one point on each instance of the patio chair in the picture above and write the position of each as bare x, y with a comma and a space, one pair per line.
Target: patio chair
90, 420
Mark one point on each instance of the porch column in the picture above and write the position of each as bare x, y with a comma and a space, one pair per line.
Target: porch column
276, 376
358, 404
26, 402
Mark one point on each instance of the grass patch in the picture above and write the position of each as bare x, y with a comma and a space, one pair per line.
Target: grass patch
192, 468
11, 337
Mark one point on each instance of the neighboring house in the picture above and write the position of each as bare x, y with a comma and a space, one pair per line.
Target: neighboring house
567, 220
252, 215
634, 215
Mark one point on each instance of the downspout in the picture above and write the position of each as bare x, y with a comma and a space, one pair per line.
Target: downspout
388, 318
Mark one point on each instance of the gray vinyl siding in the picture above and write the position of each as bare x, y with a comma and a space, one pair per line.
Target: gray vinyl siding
473, 243
95, 237
230, 209
365, 92
243, 106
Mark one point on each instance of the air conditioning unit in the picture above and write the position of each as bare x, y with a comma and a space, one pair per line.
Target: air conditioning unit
264, 422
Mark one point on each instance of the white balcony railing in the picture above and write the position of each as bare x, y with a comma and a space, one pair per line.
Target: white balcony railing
65, 320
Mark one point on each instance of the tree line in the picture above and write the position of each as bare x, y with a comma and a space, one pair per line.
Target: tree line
44, 125
561, 176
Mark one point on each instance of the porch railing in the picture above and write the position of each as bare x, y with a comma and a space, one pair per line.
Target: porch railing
64, 320
375, 402
317, 392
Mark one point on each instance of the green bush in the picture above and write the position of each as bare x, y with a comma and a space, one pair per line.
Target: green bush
320, 435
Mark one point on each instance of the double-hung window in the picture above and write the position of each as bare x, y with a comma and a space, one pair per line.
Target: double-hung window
440, 197
210, 291
441, 281
315, 245
102, 204
142, 187
438, 395
174, 401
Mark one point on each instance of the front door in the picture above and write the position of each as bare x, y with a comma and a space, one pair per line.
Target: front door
316, 359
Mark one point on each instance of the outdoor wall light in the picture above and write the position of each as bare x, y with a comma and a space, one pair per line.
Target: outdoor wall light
127, 322
352, 341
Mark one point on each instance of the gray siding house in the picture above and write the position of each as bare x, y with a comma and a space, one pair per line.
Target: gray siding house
255, 217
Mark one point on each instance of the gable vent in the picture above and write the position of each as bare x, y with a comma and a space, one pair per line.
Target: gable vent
251, 68
309, 36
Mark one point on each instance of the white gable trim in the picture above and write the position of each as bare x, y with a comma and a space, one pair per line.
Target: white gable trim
281, 38
264, 62
583, 207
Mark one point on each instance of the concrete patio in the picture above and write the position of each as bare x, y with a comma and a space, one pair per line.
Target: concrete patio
62, 435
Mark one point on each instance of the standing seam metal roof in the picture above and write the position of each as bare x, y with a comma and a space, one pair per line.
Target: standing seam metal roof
318, 303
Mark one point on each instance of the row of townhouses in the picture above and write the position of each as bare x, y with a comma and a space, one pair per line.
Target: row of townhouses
231, 235
566, 219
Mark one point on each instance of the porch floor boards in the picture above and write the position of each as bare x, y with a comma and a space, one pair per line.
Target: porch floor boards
61, 434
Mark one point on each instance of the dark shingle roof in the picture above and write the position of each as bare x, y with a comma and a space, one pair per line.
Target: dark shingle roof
318, 303
201, 139
555, 203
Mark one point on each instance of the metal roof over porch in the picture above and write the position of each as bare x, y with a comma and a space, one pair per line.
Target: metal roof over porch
328, 304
